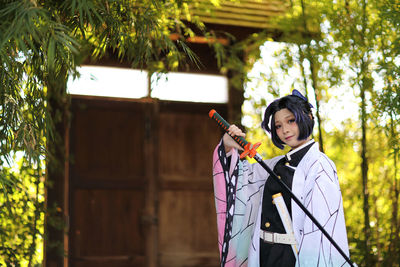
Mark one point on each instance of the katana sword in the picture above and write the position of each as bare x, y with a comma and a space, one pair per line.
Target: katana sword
250, 150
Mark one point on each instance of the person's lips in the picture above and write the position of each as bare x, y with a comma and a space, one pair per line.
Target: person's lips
288, 138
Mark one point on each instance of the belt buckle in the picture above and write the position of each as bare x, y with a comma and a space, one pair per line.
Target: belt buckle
271, 234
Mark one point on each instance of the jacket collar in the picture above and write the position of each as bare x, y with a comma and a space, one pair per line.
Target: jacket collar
291, 153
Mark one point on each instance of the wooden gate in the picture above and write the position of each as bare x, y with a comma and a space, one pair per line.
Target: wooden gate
141, 183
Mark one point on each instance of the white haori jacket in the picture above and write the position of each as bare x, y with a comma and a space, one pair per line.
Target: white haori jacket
316, 185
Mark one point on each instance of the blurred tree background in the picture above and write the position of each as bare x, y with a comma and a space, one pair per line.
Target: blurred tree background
356, 52
354, 61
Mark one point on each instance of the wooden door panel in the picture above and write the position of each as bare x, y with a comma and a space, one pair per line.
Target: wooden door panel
107, 223
108, 143
188, 259
119, 261
187, 220
141, 191
186, 141
108, 181
187, 229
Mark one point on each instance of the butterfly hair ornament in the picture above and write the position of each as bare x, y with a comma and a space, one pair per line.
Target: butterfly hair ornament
298, 94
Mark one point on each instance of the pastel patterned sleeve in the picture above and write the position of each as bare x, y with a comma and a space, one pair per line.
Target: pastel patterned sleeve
238, 188
324, 200
225, 180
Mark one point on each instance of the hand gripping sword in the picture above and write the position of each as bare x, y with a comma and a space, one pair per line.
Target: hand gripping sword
250, 150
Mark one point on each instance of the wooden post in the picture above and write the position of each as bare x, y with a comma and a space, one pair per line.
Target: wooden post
57, 198
150, 215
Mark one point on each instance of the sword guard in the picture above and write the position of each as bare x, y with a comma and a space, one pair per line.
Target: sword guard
250, 150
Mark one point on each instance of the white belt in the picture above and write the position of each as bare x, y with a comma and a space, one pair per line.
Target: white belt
277, 238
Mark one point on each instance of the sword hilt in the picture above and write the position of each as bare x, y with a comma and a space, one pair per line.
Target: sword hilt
249, 149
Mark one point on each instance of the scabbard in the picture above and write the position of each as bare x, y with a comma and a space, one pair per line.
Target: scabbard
279, 202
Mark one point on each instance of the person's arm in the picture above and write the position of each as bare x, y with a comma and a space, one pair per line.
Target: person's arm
324, 200
229, 143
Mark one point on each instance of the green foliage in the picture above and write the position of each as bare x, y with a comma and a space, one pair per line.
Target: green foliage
356, 49
22, 215
41, 44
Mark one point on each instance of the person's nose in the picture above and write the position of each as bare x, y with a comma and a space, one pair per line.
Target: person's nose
285, 129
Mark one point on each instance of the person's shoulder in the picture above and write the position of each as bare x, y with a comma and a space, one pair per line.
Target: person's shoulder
326, 161
322, 166
317, 159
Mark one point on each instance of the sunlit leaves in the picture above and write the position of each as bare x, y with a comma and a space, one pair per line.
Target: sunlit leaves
41, 43
358, 47
21, 216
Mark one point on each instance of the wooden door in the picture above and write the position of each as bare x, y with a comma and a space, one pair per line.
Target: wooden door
141, 183
187, 221
107, 183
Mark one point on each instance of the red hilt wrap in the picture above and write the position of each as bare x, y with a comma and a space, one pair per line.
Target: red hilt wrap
249, 148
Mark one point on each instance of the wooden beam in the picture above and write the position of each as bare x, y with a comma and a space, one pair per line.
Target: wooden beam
201, 39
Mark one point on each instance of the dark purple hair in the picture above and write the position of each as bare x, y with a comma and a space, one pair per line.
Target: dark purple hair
301, 110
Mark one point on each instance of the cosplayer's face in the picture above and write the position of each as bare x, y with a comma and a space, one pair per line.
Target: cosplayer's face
287, 129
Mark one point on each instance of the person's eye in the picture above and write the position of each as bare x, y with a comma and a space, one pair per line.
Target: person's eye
277, 126
292, 120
